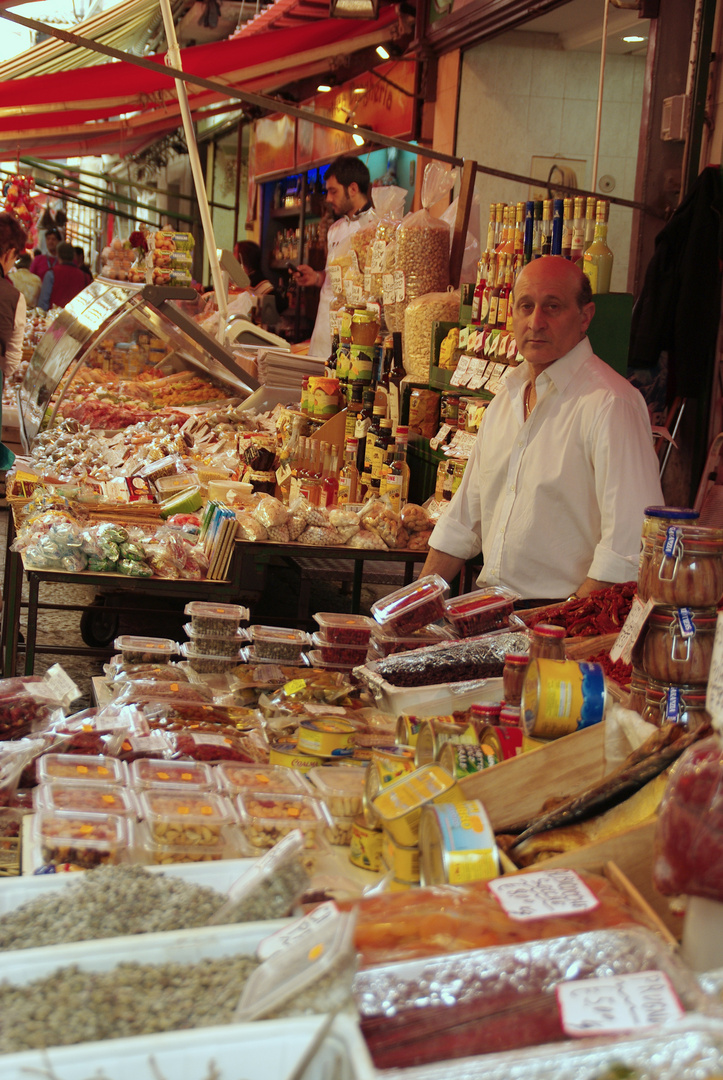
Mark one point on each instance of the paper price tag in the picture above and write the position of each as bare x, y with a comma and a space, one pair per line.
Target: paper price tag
297, 931
388, 293
377, 262
440, 437
357, 294
367, 280
336, 278
400, 286
464, 338
283, 473
625, 641
460, 372
617, 1003
543, 894
714, 695
478, 373
315, 709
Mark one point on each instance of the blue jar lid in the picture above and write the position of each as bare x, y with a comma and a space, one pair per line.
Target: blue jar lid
673, 513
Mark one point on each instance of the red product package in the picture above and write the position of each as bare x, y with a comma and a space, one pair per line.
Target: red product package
689, 835
206, 746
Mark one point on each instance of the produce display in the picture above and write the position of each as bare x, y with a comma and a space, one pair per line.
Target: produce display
603, 612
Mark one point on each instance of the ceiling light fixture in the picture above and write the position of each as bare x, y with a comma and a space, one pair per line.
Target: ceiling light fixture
358, 140
353, 9
381, 51
359, 90
323, 88
633, 39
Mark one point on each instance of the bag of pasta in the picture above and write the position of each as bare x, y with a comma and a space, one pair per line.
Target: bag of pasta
419, 318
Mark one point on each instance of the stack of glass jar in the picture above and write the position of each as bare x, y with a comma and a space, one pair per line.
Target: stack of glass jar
681, 571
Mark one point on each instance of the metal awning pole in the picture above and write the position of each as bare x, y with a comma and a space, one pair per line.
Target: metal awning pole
173, 59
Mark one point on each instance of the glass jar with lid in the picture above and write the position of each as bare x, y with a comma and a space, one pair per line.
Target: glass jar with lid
638, 687
655, 520
678, 644
486, 713
686, 567
547, 642
364, 326
513, 677
668, 703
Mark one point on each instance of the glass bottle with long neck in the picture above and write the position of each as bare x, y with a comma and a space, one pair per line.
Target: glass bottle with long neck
363, 423
568, 227
557, 218
396, 374
537, 230
504, 296
330, 481
518, 247
479, 290
397, 478
495, 293
349, 475
546, 248
598, 258
489, 286
590, 209
491, 228
528, 238
499, 223
578, 230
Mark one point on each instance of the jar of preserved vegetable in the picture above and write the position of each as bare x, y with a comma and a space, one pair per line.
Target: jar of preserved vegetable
667, 703
547, 642
486, 713
686, 567
364, 327
678, 644
513, 677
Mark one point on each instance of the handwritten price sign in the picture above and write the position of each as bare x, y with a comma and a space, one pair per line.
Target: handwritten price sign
618, 1003
543, 895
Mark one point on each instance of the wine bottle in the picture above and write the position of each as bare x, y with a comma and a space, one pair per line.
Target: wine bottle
598, 258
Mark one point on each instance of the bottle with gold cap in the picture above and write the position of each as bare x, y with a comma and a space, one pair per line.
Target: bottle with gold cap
598, 258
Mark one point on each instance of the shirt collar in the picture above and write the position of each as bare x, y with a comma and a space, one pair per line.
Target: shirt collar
560, 374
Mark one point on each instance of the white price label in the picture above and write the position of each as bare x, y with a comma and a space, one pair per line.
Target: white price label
336, 278
388, 293
464, 338
400, 286
357, 294
714, 696
367, 280
315, 709
349, 290
617, 1003
57, 685
460, 371
298, 930
543, 894
440, 437
377, 262
283, 473
625, 641
354, 262
477, 374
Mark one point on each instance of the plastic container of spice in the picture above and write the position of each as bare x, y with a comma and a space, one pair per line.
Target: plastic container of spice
83, 840
221, 619
85, 799
414, 606
346, 655
145, 650
234, 779
146, 850
276, 643
481, 611
185, 818
81, 769
209, 663
340, 629
382, 644
266, 818
160, 775
216, 644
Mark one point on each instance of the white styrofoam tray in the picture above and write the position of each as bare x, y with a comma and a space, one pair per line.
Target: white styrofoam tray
218, 875
267, 1050
439, 698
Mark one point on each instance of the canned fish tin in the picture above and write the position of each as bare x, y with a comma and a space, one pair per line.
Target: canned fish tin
507, 739
326, 736
384, 767
287, 754
433, 734
400, 804
456, 844
365, 847
402, 861
407, 730
461, 760
562, 696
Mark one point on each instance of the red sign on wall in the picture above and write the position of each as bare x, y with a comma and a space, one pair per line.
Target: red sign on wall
275, 144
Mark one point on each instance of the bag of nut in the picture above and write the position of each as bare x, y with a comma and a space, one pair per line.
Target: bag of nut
418, 320
421, 262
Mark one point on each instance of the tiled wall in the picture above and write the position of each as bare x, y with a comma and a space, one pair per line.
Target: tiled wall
519, 101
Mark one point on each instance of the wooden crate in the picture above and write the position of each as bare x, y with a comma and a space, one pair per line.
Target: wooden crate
517, 788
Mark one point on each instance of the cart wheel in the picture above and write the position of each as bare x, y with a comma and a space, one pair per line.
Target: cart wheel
98, 625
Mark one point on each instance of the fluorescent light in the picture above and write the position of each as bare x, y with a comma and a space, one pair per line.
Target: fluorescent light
358, 140
323, 88
359, 90
381, 51
633, 39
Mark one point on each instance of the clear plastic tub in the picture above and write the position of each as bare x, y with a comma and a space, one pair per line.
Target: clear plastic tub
272, 886
145, 650
481, 611
382, 644
342, 629
316, 660
215, 618
229, 845
414, 606
207, 663
81, 769
160, 775
185, 818
341, 788
85, 799
333, 653
266, 818
235, 779
216, 644
340, 831
83, 840
276, 643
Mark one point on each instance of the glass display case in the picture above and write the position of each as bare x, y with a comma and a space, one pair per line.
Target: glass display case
117, 354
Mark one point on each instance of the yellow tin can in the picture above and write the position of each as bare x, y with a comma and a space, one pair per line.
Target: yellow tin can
326, 736
395, 885
434, 733
365, 847
402, 861
393, 761
286, 754
561, 696
457, 844
399, 805
407, 730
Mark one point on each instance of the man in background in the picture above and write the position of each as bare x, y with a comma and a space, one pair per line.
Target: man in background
64, 281
42, 263
25, 281
79, 260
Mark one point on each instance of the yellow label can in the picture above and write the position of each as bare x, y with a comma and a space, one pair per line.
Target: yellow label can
561, 696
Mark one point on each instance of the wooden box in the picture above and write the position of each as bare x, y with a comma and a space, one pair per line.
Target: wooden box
518, 788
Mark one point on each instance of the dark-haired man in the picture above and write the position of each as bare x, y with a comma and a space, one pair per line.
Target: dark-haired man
563, 465
42, 263
347, 192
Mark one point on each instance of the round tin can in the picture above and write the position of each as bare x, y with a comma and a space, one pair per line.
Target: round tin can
507, 740
365, 847
560, 697
433, 734
326, 736
402, 861
407, 730
384, 767
287, 754
456, 844
460, 759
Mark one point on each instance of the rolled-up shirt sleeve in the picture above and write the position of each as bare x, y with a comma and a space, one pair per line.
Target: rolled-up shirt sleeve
626, 477
458, 531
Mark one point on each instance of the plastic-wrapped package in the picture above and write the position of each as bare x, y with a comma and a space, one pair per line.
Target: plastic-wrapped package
449, 662
415, 518
389, 206
249, 528
499, 999
313, 515
367, 540
270, 512
422, 247
689, 835
271, 887
320, 536
142, 691
418, 320
192, 715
